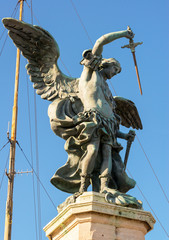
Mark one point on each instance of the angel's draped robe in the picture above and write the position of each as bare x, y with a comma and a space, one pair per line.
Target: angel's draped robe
78, 129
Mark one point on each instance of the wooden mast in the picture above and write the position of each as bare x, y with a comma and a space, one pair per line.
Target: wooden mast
11, 173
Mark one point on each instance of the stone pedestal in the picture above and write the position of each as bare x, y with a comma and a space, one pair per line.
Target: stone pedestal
92, 218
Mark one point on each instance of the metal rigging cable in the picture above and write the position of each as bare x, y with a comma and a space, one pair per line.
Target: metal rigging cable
37, 157
37, 176
31, 7
4, 170
112, 87
4, 146
37, 152
37, 166
3, 45
152, 169
74, 7
137, 137
65, 67
149, 206
12, 15
32, 14
30, 135
81, 22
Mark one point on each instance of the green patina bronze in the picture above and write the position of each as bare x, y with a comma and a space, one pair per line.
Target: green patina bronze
83, 112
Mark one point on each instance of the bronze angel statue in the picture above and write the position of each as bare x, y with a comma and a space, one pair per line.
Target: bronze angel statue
83, 110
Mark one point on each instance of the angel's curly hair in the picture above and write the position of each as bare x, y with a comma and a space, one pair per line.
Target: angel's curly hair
110, 61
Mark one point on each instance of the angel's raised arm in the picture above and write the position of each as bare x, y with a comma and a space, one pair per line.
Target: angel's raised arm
109, 37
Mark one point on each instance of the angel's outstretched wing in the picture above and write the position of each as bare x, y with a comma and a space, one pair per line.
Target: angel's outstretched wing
42, 53
127, 110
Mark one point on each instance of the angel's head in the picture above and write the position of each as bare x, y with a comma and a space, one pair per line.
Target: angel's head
109, 67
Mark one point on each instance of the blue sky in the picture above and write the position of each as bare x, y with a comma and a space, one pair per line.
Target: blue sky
149, 21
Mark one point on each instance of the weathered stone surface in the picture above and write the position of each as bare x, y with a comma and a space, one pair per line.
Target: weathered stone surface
92, 218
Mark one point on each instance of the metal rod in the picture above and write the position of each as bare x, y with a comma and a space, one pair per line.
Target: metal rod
9, 202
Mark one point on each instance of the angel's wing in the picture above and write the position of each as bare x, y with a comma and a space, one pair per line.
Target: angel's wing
42, 53
127, 110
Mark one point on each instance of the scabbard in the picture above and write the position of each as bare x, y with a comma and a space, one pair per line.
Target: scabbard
129, 142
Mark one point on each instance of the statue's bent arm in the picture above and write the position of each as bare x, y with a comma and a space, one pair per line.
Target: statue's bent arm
98, 48
107, 38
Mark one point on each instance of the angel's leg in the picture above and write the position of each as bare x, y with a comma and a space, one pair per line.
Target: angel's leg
88, 163
106, 167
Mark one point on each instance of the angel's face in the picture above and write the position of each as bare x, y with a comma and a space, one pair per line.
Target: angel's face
109, 71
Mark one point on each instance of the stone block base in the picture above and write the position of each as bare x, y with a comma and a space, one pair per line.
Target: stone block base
92, 218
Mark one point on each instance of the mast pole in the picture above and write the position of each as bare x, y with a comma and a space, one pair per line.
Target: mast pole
11, 174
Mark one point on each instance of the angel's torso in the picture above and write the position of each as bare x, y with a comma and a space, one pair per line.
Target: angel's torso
92, 94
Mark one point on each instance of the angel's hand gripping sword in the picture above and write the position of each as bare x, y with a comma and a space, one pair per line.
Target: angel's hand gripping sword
132, 46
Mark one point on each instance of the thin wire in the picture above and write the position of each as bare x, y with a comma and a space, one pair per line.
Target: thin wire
32, 12
116, 94
4, 146
39, 24
112, 87
37, 167
3, 46
137, 138
37, 155
65, 67
150, 206
87, 34
156, 178
37, 176
81, 22
2, 33
33, 180
4, 170
11, 16
148, 160
153, 169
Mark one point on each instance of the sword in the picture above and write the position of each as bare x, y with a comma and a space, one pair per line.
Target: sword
132, 46
129, 142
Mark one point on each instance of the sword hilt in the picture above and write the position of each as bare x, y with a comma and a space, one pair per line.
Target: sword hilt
132, 132
132, 45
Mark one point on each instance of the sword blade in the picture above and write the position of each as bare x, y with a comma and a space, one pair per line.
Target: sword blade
137, 73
